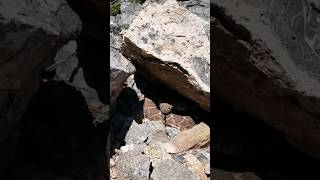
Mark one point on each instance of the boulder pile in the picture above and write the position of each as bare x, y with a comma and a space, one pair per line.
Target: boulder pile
158, 125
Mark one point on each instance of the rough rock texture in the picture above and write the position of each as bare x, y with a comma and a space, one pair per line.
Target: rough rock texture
202, 155
267, 64
172, 47
151, 111
196, 137
172, 132
196, 166
165, 108
150, 130
67, 69
120, 68
198, 7
31, 34
169, 169
133, 165
180, 122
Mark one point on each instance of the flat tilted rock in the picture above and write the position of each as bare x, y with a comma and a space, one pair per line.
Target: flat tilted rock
169, 44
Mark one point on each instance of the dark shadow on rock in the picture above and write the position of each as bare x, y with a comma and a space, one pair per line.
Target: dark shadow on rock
128, 108
244, 144
93, 53
58, 138
158, 93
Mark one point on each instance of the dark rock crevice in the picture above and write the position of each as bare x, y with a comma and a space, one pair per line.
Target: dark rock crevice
243, 144
56, 138
92, 43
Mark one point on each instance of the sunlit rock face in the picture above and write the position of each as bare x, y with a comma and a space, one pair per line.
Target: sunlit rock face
170, 44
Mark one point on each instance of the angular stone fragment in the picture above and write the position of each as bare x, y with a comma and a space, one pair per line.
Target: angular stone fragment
156, 155
172, 132
151, 111
152, 131
195, 165
196, 137
165, 108
267, 64
171, 45
180, 122
133, 164
66, 62
171, 170
203, 155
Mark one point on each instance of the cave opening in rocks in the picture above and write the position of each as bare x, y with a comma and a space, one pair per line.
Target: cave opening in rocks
244, 146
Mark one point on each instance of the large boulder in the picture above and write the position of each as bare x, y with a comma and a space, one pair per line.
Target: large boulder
169, 44
31, 34
267, 64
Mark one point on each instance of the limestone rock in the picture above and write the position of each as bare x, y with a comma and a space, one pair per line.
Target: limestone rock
267, 64
170, 170
171, 45
196, 137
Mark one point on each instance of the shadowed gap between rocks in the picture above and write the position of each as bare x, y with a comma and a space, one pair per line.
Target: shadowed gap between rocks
242, 144
93, 51
129, 108
56, 138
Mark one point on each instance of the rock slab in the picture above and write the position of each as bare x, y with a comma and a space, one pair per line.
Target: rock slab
196, 137
168, 43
